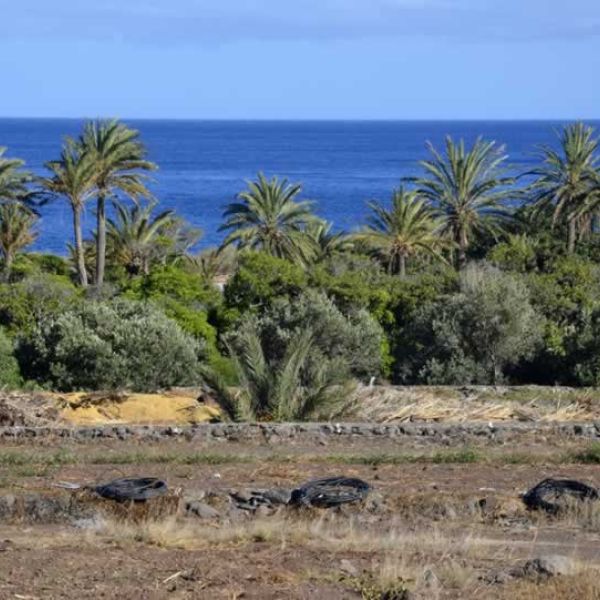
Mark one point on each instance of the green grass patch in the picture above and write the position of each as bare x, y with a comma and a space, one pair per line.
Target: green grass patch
465, 455
590, 456
12, 458
196, 458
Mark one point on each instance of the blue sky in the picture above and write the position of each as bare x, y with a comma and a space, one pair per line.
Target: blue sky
345, 59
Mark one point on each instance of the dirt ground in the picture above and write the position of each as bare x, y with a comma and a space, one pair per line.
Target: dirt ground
446, 523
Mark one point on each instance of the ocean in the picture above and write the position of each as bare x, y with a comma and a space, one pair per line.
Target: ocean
204, 164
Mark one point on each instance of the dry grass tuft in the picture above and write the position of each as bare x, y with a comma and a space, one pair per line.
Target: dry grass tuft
582, 586
388, 404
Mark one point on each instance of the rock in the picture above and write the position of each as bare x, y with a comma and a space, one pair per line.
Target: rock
192, 574
349, 568
241, 495
548, 566
430, 579
277, 495
201, 510
7, 506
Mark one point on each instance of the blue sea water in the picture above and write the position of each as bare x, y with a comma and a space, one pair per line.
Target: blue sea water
204, 164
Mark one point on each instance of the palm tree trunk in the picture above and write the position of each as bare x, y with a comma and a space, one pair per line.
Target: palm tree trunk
101, 240
402, 259
79, 255
461, 241
572, 234
8, 263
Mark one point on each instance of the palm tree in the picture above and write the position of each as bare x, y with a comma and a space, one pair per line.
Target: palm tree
278, 392
137, 238
268, 217
467, 190
325, 242
74, 177
568, 181
13, 180
406, 229
213, 263
16, 223
118, 156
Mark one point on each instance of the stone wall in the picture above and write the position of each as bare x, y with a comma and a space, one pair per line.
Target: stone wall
444, 433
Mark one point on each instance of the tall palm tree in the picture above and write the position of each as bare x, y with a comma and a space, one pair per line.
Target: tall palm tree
119, 157
13, 179
568, 182
268, 217
406, 229
74, 177
467, 190
16, 233
325, 242
137, 238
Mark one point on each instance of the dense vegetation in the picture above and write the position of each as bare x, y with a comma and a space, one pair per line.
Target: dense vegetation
466, 276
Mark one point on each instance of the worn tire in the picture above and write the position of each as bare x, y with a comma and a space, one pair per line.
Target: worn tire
135, 489
330, 492
552, 495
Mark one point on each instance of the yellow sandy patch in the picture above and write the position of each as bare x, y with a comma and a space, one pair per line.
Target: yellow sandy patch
169, 408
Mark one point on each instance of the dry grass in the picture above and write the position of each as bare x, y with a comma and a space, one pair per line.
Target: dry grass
582, 586
314, 530
574, 513
388, 404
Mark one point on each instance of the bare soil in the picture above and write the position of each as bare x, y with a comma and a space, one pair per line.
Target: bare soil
452, 527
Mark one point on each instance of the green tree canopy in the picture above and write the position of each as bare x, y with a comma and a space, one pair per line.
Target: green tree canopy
467, 190
268, 217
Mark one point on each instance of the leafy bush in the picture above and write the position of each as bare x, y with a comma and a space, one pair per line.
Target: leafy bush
354, 341
473, 336
260, 278
34, 264
10, 374
106, 345
567, 296
183, 296
24, 303
517, 254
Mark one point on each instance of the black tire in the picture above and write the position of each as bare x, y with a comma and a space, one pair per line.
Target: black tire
552, 495
327, 493
138, 490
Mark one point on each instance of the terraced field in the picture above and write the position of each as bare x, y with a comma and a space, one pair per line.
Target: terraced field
444, 518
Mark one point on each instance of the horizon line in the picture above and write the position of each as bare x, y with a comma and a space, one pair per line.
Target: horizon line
306, 120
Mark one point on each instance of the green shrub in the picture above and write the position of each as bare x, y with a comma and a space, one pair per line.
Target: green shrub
109, 345
472, 336
260, 278
23, 304
183, 296
353, 341
34, 264
568, 297
10, 374
518, 254
176, 283
292, 388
